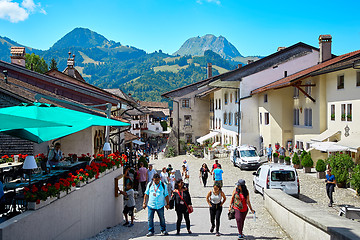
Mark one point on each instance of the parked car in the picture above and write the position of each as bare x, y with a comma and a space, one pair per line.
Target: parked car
277, 176
245, 157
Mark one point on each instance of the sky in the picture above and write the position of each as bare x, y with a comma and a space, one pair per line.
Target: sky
253, 27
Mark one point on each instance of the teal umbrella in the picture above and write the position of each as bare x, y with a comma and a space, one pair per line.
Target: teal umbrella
16, 122
47, 112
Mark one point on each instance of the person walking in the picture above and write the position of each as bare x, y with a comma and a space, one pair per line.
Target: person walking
158, 197
218, 175
150, 173
216, 199
164, 176
269, 151
186, 165
129, 205
182, 201
143, 175
240, 202
185, 176
204, 173
330, 186
215, 166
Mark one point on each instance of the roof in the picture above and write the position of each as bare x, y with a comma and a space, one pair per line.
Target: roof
290, 80
77, 74
17, 51
120, 93
154, 104
206, 92
129, 137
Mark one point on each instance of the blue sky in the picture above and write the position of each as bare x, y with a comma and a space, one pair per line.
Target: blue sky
253, 27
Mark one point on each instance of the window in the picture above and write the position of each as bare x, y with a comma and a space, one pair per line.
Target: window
226, 98
185, 103
349, 112
267, 118
219, 123
237, 96
308, 117
260, 118
188, 138
340, 82
332, 116
343, 112
230, 118
308, 88
296, 117
211, 105
283, 176
236, 119
216, 123
358, 79
225, 118
265, 98
219, 103
296, 92
187, 120
231, 97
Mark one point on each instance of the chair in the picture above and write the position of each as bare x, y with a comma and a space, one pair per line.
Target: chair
6, 202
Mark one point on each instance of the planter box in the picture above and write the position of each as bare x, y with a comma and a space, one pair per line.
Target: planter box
34, 206
321, 175
101, 174
80, 184
281, 161
62, 194
296, 166
89, 180
71, 190
276, 159
107, 171
51, 199
307, 169
287, 163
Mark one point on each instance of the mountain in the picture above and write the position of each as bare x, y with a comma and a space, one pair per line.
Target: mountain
198, 45
7, 43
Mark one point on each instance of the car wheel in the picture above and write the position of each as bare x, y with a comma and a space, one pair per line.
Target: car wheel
255, 191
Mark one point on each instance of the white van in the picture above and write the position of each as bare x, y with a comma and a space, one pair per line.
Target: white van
277, 176
245, 157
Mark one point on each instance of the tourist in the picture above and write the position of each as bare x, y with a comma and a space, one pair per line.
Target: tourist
282, 151
172, 179
169, 169
216, 199
183, 206
150, 173
128, 175
129, 204
185, 176
269, 151
204, 173
215, 166
218, 175
186, 165
330, 185
164, 176
143, 175
55, 155
158, 197
240, 202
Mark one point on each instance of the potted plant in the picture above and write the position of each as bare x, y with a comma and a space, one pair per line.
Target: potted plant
320, 168
287, 160
333, 116
308, 163
296, 161
341, 165
276, 157
281, 159
355, 179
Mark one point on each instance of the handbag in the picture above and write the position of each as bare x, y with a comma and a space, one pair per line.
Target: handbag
189, 208
231, 214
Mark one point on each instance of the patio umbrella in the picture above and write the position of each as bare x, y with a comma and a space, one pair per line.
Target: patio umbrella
47, 112
16, 122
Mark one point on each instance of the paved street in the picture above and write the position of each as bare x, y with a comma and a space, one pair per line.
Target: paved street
263, 228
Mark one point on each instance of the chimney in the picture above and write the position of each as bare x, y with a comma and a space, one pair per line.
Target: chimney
71, 65
280, 48
325, 47
209, 70
239, 65
250, 61
18, 56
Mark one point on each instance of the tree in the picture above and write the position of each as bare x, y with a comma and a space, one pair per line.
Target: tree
35, 63
53, 65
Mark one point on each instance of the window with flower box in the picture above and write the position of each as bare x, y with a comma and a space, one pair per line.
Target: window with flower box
349, 112
332, 115
225, 98
230, 118
343, 112
236, 119
225, 118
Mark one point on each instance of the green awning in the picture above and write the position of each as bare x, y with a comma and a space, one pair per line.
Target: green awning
46, 112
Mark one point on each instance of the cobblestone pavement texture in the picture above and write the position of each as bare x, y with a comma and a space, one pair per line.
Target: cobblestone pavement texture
263, 228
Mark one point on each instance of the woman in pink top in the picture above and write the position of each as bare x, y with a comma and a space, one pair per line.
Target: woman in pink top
142, 177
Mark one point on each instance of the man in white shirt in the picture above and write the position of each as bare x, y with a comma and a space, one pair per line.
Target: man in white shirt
151, 173
55, 155
186, 165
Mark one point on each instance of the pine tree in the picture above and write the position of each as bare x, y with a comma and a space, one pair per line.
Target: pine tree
53, 64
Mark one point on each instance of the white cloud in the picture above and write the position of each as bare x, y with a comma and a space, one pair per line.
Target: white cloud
209, 1
11, 10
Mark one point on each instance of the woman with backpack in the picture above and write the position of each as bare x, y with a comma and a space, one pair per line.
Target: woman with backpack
216, 199
240, 202
183, 206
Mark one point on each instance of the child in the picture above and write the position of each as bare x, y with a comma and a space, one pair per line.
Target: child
172, 180
129, 205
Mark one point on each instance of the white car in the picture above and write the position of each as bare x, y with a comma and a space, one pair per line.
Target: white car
245, 157
277, 176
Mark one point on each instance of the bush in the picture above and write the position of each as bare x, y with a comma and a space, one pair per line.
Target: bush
303, 154
355, 179
320, 166
275, 155
281, 157
142, 159
287, 159
295, 159
340, 165
307, 161
171, 152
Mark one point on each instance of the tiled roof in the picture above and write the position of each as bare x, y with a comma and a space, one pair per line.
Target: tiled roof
130, 137
154, 104
288, 81
77, 74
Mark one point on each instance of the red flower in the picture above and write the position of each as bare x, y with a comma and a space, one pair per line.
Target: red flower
81, 178
57, 186
86, 174
26, 189
38, 201
73, 184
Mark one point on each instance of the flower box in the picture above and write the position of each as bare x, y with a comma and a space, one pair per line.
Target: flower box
89, 180
101, 174
80, 184
51, 199
71, 190
108, 171
61, 194
34, 206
